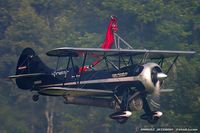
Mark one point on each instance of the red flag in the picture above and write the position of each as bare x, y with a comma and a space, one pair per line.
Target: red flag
108, 42
109, 39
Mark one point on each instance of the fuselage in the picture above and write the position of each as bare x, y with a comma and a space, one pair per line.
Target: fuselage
138, 76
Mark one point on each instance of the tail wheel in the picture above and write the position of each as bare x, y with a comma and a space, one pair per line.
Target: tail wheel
35, 97
153, 120
122, 120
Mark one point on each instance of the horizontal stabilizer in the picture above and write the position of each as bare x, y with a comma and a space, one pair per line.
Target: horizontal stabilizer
62, 91
26, 75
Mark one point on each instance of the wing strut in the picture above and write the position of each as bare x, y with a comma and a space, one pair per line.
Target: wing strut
174, 61
143, 60
117, 42
73, 67
111, 63
58, 60
82, 69
161, 62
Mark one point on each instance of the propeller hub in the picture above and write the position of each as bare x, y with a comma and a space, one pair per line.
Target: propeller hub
161, 76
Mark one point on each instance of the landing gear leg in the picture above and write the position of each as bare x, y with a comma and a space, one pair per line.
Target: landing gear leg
150, 116
123, 115
35, 97
124, 104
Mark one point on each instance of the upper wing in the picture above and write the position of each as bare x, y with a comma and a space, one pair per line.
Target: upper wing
62, 91
75, 52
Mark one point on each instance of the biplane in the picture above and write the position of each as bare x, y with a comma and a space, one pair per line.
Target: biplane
124, 79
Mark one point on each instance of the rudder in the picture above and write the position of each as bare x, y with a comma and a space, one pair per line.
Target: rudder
29, 63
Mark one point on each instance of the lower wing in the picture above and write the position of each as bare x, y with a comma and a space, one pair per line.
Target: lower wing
62, 91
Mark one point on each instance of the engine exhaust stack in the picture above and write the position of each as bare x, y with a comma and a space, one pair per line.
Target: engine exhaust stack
106, 103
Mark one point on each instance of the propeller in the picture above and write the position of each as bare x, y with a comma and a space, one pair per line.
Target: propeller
157, 77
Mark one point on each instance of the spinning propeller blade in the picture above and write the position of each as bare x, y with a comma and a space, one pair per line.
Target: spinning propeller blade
157, 78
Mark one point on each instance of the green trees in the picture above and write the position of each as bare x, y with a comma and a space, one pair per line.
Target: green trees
46, 24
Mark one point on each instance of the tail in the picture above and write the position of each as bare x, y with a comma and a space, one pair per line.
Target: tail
29, 67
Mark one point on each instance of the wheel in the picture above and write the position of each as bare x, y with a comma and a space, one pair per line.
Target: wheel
35, 98
153, 121
121, 120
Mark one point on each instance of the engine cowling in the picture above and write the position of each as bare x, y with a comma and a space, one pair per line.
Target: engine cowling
152, 77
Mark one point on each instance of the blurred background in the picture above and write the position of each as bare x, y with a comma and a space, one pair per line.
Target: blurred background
46, 24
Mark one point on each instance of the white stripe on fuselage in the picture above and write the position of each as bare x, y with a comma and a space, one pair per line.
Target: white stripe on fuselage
108, 80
